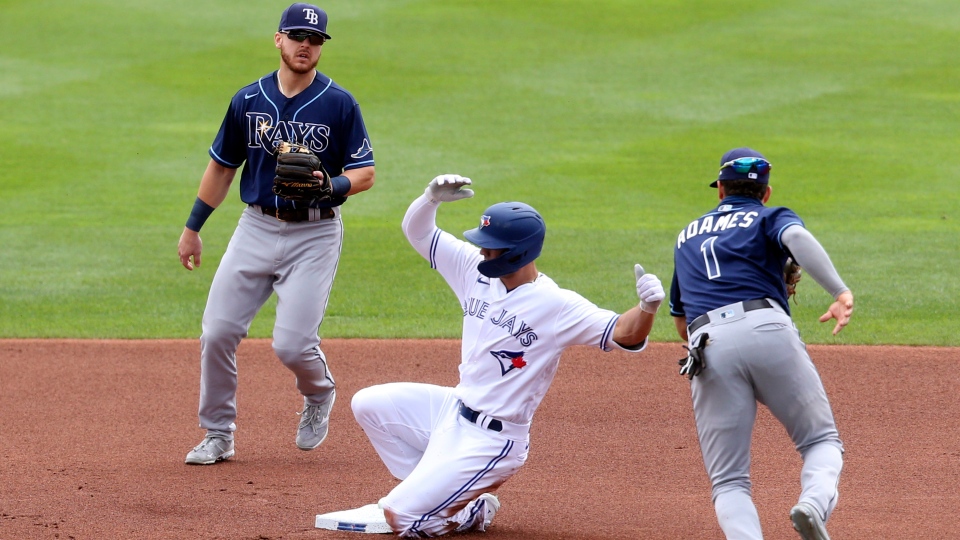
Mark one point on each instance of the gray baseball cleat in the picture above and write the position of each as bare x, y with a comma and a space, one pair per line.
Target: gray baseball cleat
807, 521
210, 451
314, 423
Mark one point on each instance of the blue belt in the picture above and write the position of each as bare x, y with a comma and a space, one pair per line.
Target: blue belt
472, 415
749, 305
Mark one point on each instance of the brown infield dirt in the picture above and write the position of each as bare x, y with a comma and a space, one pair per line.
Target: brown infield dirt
93, 435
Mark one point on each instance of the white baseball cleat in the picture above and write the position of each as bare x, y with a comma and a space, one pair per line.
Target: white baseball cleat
491, 504
366, 519
807, 521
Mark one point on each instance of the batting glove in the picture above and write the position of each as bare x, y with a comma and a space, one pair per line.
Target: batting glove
649, 290
448, 187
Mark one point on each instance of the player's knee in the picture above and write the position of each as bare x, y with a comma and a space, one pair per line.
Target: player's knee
292, 357
365, 405
220, 333
293, 348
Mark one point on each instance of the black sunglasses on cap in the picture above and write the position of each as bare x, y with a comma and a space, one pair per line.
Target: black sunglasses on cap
300, 35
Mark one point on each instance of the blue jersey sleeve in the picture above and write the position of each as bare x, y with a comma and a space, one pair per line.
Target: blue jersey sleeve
358, 153
229, 148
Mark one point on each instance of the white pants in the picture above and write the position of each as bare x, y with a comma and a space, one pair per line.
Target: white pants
443, 461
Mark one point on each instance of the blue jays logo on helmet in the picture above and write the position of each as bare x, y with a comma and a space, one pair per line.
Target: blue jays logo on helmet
515, 228
509, 360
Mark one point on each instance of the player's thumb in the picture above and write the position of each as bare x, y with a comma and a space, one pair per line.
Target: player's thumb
638, 270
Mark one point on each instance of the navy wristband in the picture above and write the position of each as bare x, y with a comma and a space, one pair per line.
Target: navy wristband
201, 211
341, 186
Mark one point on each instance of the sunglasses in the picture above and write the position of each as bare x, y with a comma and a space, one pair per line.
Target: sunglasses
747, 164
299, 36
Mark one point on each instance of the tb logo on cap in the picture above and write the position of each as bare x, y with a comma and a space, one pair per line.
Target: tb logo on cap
311, 15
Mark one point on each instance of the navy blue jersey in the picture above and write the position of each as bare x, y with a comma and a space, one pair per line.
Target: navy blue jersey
325, 117
729, 255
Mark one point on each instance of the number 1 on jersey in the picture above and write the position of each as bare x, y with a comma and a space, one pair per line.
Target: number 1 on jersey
710, 257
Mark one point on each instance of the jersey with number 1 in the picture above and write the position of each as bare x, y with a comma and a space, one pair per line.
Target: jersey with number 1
729, 255
512, 341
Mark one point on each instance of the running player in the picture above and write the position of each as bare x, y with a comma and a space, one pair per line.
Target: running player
452, 447
278, 246
729, 300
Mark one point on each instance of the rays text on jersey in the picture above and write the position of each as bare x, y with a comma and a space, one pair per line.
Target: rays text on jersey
264, 133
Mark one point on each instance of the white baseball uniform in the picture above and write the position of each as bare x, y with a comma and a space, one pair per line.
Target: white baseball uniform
450, 445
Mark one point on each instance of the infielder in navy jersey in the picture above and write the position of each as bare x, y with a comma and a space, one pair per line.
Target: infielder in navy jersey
729, 300
278, 246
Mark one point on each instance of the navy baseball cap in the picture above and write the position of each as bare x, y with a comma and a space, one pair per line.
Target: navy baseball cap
306, 17
758, 173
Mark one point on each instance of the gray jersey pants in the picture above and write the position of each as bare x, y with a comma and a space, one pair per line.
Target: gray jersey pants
298, 261
751, 357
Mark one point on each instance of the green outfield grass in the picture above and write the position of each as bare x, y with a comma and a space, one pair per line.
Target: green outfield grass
608, 116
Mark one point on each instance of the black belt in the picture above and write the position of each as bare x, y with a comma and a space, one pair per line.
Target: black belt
472, 415
749, 305
296, 214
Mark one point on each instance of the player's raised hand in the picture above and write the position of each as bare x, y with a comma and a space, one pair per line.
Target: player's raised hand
649, 290
841, 310
448, 187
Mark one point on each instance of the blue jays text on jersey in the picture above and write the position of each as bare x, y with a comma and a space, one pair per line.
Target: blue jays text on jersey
524, 333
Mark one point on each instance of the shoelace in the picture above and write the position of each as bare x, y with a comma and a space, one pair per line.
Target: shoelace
311, 417
204, 443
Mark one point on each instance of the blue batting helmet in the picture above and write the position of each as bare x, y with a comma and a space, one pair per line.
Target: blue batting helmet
514, 227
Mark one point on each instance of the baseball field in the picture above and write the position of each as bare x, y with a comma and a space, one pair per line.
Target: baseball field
608, 116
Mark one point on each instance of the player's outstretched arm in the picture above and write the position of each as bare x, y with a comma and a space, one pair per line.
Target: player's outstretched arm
841, 310
420, 222
635, 324
809, 254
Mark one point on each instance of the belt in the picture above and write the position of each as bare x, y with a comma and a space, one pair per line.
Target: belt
473, 416
749, 305
296, 214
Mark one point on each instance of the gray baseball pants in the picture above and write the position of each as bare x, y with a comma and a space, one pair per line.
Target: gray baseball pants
752, 357
298, 261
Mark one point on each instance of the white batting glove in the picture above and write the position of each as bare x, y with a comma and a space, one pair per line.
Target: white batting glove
448, 187
649, 290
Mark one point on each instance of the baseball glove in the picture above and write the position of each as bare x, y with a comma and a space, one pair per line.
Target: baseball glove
791, 276
694, 363
294, 180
